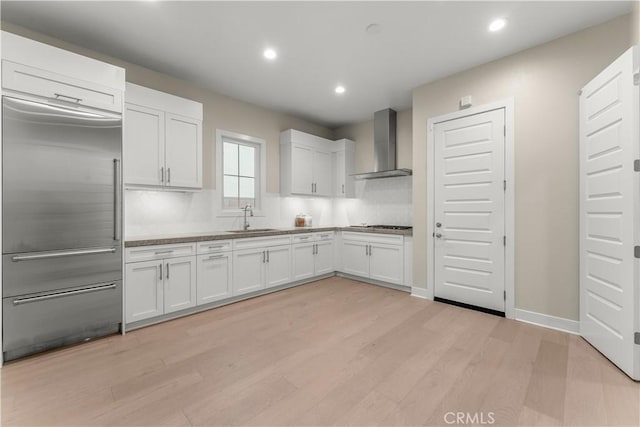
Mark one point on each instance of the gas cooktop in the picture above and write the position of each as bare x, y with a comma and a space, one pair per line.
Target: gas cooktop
385, 227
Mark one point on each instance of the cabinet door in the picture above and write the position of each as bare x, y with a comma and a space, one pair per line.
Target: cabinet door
322, 173
143, 146
179, 283
183, 151
387, 263
354, 258
248, 271
301, 169
214, 277
324, 257
278, 266
339, 174
303, 260
143, 290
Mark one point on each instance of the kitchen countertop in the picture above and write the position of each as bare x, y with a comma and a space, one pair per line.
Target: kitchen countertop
168, 239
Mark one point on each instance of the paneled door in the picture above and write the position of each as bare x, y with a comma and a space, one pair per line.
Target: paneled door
608, 212
469, 210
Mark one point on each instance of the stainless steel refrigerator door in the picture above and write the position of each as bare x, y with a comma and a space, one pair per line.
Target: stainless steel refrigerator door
34, 323
61, 177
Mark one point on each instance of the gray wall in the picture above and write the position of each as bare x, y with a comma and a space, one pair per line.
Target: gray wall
544, 82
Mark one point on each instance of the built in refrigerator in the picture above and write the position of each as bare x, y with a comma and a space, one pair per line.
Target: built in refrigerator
61, 219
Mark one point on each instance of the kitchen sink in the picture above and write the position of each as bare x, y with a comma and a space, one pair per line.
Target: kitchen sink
255, 230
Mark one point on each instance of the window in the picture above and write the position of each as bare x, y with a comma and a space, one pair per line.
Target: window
240, 162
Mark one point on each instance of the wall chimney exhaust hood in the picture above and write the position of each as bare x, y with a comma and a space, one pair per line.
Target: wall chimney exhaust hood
384, 147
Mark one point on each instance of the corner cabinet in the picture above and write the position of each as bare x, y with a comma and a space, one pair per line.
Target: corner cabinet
313, 166
162, 145
374, 256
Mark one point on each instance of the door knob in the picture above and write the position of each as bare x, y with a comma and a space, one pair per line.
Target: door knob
438, 224
438, 235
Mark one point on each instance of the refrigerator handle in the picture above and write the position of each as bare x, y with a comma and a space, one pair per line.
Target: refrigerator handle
116, 200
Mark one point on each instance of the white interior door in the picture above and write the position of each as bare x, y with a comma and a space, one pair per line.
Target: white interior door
608, 212
469, 208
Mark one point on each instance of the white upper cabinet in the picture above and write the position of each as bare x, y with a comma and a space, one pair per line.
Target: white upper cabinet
144, 145
162, 140
183, 151
308, 165
344, 167
59, 76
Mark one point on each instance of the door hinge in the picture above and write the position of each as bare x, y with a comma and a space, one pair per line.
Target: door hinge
504, 240
636, 338
505, 295
636, 165
636, 251
636, 79
504, 130
505, 185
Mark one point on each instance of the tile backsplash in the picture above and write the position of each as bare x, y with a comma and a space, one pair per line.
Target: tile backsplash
381, 201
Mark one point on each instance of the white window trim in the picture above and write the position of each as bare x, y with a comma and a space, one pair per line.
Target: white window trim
262, 171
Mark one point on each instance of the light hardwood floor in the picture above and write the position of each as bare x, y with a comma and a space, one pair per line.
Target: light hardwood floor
335, 352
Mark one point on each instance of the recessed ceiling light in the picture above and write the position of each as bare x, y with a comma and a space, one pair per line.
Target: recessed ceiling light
497, 24
270, 54
340, 90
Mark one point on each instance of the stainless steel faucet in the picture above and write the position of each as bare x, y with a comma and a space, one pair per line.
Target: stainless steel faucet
245, 224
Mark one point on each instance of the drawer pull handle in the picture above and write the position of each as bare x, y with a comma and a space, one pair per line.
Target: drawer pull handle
164, 252
303, 238
72, 98
215, 256
215, 246
62, 254
102, 287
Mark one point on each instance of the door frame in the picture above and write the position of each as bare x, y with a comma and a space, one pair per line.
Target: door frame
509, 200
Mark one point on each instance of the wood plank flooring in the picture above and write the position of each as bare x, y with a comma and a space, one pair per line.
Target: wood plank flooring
335, 352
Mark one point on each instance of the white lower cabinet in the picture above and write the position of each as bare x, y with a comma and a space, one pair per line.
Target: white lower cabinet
313, 256
144, 293
248, 272
278, 266
157, 281
373, 256
179, 284
214, 273
261, 263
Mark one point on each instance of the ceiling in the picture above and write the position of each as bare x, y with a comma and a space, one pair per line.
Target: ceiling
219, 45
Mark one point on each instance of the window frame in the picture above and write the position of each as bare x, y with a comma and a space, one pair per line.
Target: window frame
260, 165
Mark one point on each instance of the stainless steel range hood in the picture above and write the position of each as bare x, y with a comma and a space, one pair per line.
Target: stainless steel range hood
384, 145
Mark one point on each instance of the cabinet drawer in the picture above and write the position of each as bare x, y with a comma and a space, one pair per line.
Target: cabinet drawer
214, 246
35, 81
303, 238
149, 253
260, 242
389, 239
325, 235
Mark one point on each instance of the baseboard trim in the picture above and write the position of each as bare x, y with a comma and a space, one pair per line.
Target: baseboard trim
548, 321
374, 282
419, 292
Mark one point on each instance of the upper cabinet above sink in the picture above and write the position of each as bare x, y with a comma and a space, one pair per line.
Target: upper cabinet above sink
162, 140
